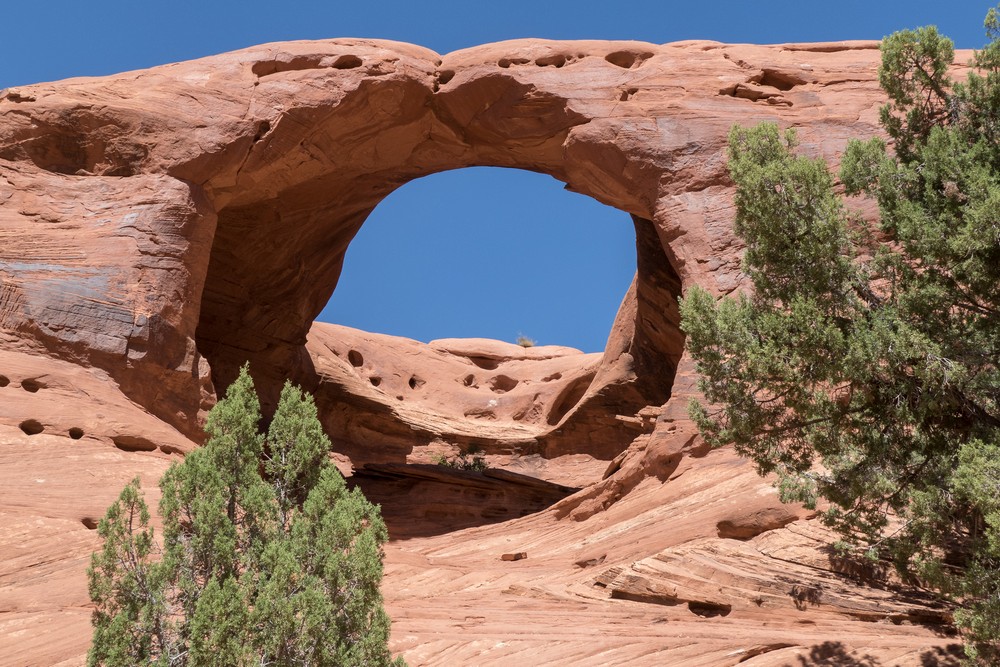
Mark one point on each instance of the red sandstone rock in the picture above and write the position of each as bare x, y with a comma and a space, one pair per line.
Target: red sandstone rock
162, 227
177, 188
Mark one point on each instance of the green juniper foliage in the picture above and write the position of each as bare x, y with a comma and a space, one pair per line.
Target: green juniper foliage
863, 368
266, 557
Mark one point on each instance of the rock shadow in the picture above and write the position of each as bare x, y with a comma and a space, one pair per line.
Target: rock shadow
422, 500
836, 654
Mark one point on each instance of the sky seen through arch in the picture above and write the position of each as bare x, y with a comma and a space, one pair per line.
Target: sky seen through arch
487, 252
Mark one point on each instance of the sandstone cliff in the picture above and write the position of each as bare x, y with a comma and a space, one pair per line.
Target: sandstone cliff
161, 227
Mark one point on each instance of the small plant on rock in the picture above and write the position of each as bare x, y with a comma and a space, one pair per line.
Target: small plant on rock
467, 460
525, 341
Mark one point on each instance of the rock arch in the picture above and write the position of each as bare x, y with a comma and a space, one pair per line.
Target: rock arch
110, 194
309, 181
213, 201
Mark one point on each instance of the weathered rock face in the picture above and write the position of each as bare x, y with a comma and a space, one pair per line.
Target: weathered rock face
162, 227
170, 224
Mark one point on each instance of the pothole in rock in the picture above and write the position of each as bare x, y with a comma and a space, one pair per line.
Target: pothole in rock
31, 427
628, 59
501, 384
133, 443
486, 363
709, 609
31, 385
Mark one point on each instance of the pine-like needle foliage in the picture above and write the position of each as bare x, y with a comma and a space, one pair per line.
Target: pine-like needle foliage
266, 557
863, 368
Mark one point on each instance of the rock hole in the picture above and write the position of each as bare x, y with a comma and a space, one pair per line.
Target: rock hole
507, 62
262, 129
355, 358
375, 380
83, 142
76, 433
269, 67
444, 76
556, 60
709, 609
628, 59
502, 384
550, 378
31, 427
748, 526
469, 380
569, 397
776, 79
627, 94
755, 93
415, 382
31, 385
486, 363
4, 380
644, 597
15, 95
89, 522
133, 443
347, 62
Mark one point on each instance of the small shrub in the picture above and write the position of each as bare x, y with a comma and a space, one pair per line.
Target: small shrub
467, 460
524, 341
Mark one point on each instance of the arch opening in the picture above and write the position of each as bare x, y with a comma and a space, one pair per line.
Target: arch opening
486, 252
386, 399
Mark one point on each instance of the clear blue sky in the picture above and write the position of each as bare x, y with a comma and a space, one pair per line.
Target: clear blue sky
481, 252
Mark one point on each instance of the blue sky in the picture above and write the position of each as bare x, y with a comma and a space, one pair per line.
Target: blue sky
481, 252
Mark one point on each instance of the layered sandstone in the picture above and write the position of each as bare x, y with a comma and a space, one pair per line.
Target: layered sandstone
162, 227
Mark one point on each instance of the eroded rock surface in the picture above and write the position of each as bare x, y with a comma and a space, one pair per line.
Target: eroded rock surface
168, 225
162, 227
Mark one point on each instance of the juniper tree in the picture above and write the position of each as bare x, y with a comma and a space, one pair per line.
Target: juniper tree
266, 558
862, 368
